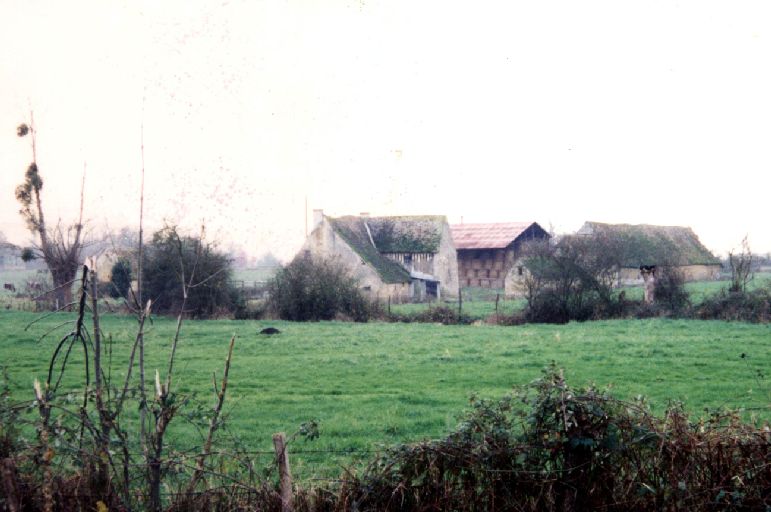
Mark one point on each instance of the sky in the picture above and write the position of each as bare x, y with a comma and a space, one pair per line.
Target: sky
558, 112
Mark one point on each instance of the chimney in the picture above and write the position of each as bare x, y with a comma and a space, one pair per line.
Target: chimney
364, 215
318, 218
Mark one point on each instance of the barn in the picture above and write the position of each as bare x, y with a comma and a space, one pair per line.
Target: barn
487, 252
649, 245
404, 258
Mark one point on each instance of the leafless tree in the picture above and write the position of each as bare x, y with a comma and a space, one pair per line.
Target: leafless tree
61, 246
741, 267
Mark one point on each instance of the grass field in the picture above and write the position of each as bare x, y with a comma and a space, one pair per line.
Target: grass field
376, 384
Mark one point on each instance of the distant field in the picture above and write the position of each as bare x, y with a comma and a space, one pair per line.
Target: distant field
251, 275
375, 384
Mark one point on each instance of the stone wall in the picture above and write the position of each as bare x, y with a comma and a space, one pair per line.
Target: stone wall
446, 264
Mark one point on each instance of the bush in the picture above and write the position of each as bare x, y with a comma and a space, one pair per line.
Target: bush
751, 306
444, 315
250, 309
669, 291
175, 264
572, 279
120, 279
552, 447
312, 289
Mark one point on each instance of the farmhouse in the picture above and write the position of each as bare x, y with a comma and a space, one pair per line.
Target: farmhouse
10, 257
647, 245
487, 252
404, 258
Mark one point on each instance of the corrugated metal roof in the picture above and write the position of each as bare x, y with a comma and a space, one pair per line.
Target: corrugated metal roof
495, 235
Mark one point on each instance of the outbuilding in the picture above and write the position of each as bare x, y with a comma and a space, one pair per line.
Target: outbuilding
487, 252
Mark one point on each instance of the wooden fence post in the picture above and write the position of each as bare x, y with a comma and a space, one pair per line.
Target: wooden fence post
460, 302
497, 298
282, 458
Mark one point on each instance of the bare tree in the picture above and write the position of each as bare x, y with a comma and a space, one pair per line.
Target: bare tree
60, 247
741, 267
571, 278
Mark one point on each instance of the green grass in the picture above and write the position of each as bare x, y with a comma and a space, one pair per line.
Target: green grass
251, 275
376, 384
476, 310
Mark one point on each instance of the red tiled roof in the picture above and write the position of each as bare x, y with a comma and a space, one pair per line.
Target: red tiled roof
496, 235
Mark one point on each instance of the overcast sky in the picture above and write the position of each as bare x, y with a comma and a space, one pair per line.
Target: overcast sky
551, 111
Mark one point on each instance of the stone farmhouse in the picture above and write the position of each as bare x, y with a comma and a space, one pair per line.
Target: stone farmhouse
10, 257
405, 258
647, 245
488, 252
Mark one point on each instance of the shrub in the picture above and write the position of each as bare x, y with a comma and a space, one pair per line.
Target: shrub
175, 264
312, 289
553, 447
120, 279
442, 314
669, 291
572, 279
751, 306
249, 309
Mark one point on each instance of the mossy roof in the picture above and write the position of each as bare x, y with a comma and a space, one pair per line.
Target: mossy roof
354, 232
407, 234
645, 244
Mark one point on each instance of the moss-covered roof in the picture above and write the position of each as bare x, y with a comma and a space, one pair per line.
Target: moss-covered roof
645, 244
354, 232
413, 234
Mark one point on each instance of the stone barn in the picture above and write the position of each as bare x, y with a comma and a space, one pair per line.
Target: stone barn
487, 252
406, 258
647, 245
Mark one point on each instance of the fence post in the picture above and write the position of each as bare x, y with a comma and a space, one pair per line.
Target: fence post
282, 457
460, 302
497, 298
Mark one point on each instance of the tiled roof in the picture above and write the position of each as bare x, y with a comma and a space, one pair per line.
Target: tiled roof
645, 244
496, 235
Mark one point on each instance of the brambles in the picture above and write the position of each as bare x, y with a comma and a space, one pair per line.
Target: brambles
550, 446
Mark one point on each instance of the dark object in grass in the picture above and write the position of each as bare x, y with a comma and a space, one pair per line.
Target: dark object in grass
269, 331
